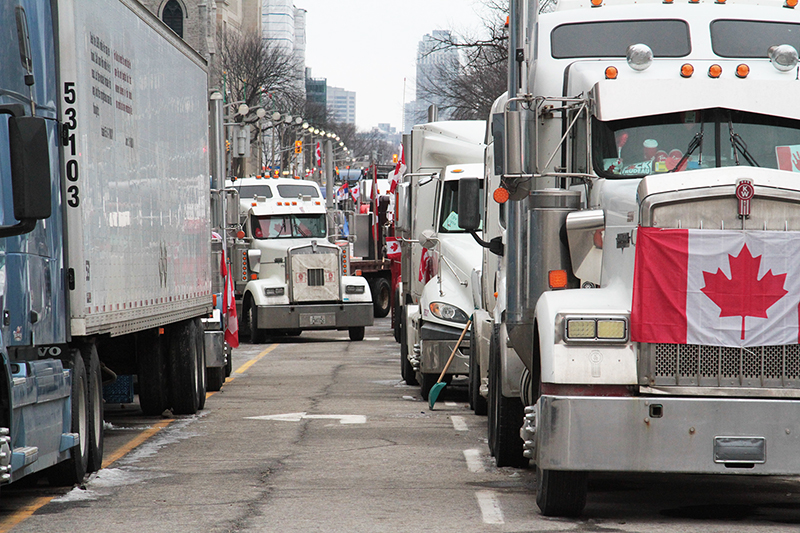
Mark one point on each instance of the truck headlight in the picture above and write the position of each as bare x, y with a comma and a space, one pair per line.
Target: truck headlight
354, 289
274, 291
596, 329
448, 312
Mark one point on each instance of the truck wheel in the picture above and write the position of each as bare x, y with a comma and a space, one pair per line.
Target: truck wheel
381, 297
183, 369
426, 383
476, 402
505, 415
560, 493
406, 369
73, 470
257, 335
215, 378
95, 383
356, 334
200, 345
396, 314
152, 371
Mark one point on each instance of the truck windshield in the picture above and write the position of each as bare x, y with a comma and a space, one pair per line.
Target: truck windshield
448, 222
289, 226
250, 191
693, 140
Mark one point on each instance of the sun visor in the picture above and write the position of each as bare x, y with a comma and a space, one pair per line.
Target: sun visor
637, 98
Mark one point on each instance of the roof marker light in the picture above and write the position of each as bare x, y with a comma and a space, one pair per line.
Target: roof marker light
639, 57
597, 3
668, 1
611, 73
714, 71
687, 70
500, 195
791, 4
783, 57
742, 71
719, 1
694, 1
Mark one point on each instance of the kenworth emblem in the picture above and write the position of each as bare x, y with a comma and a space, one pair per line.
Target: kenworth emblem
744, 193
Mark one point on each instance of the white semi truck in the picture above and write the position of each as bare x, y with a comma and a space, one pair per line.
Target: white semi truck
439, 259
289, 277
650, 153
105, 237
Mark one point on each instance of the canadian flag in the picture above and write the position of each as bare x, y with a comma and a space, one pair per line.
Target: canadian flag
718, 288
229, 306
318, 153
355, 192
392, 249
425, 266
398, 171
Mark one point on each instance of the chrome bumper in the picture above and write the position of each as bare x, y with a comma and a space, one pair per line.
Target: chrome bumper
317, 316
656, 434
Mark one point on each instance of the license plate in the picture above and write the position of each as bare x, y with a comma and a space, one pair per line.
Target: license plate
322, 319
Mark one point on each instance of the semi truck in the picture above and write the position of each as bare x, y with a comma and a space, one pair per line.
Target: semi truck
648, 156
289, 277
439, 259
105, 237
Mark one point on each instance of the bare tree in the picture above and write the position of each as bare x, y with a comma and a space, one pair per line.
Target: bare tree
469, 86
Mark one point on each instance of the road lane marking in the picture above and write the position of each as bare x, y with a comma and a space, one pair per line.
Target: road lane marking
490, 507
25, 512
242, 369
297, 417
459, 423
474, 462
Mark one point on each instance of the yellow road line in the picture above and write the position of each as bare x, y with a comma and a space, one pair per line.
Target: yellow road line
38, 503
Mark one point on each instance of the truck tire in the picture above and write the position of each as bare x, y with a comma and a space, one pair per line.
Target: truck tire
151, 351
73, 470
357, 333
426, 383
95, 386
561, 493
476, 402
215, 378
257, 335
200, 345
505, 415
381, 297
396, 314
184, 379
406, 370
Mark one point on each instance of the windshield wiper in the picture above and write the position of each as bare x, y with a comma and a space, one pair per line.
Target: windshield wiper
739, 146
696, 141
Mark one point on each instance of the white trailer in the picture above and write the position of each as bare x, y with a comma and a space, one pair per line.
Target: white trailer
106, 254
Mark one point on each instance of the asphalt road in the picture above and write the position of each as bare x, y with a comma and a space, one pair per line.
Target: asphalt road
316, 433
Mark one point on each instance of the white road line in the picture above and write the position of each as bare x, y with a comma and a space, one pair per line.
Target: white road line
474, 463
459, 423
490, 507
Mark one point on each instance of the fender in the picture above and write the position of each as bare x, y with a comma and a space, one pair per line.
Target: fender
589, 362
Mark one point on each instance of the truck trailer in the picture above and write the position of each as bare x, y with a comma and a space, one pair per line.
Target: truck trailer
105, 239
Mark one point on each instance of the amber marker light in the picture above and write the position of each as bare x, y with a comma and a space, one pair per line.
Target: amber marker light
557, 279
719, 1
694, 1
597, 3
791, 4
500, 195
687, 70
240, 234
714, 71
668, 1
611, 73
742, 71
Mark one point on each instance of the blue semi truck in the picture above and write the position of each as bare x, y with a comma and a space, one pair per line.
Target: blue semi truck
105, 238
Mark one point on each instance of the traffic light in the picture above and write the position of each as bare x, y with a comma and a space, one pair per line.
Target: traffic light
394, 158
298, 146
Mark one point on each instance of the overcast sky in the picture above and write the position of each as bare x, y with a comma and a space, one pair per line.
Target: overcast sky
370, 46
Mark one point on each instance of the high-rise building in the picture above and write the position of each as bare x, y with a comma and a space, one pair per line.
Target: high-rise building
284, 25
435, 65
342, 104
316, 99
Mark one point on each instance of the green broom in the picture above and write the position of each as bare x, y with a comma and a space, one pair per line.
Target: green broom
439, 385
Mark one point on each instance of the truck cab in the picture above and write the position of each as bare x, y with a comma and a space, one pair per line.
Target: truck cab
291, 276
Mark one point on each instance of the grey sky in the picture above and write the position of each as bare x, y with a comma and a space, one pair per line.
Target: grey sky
370, 46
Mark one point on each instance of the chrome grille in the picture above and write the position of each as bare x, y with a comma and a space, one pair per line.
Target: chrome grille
683, 365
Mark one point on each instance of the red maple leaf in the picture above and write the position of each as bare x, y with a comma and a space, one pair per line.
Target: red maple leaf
744, 294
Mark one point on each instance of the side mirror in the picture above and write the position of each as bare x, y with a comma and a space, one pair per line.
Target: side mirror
428, 239
469, 203
254, 260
